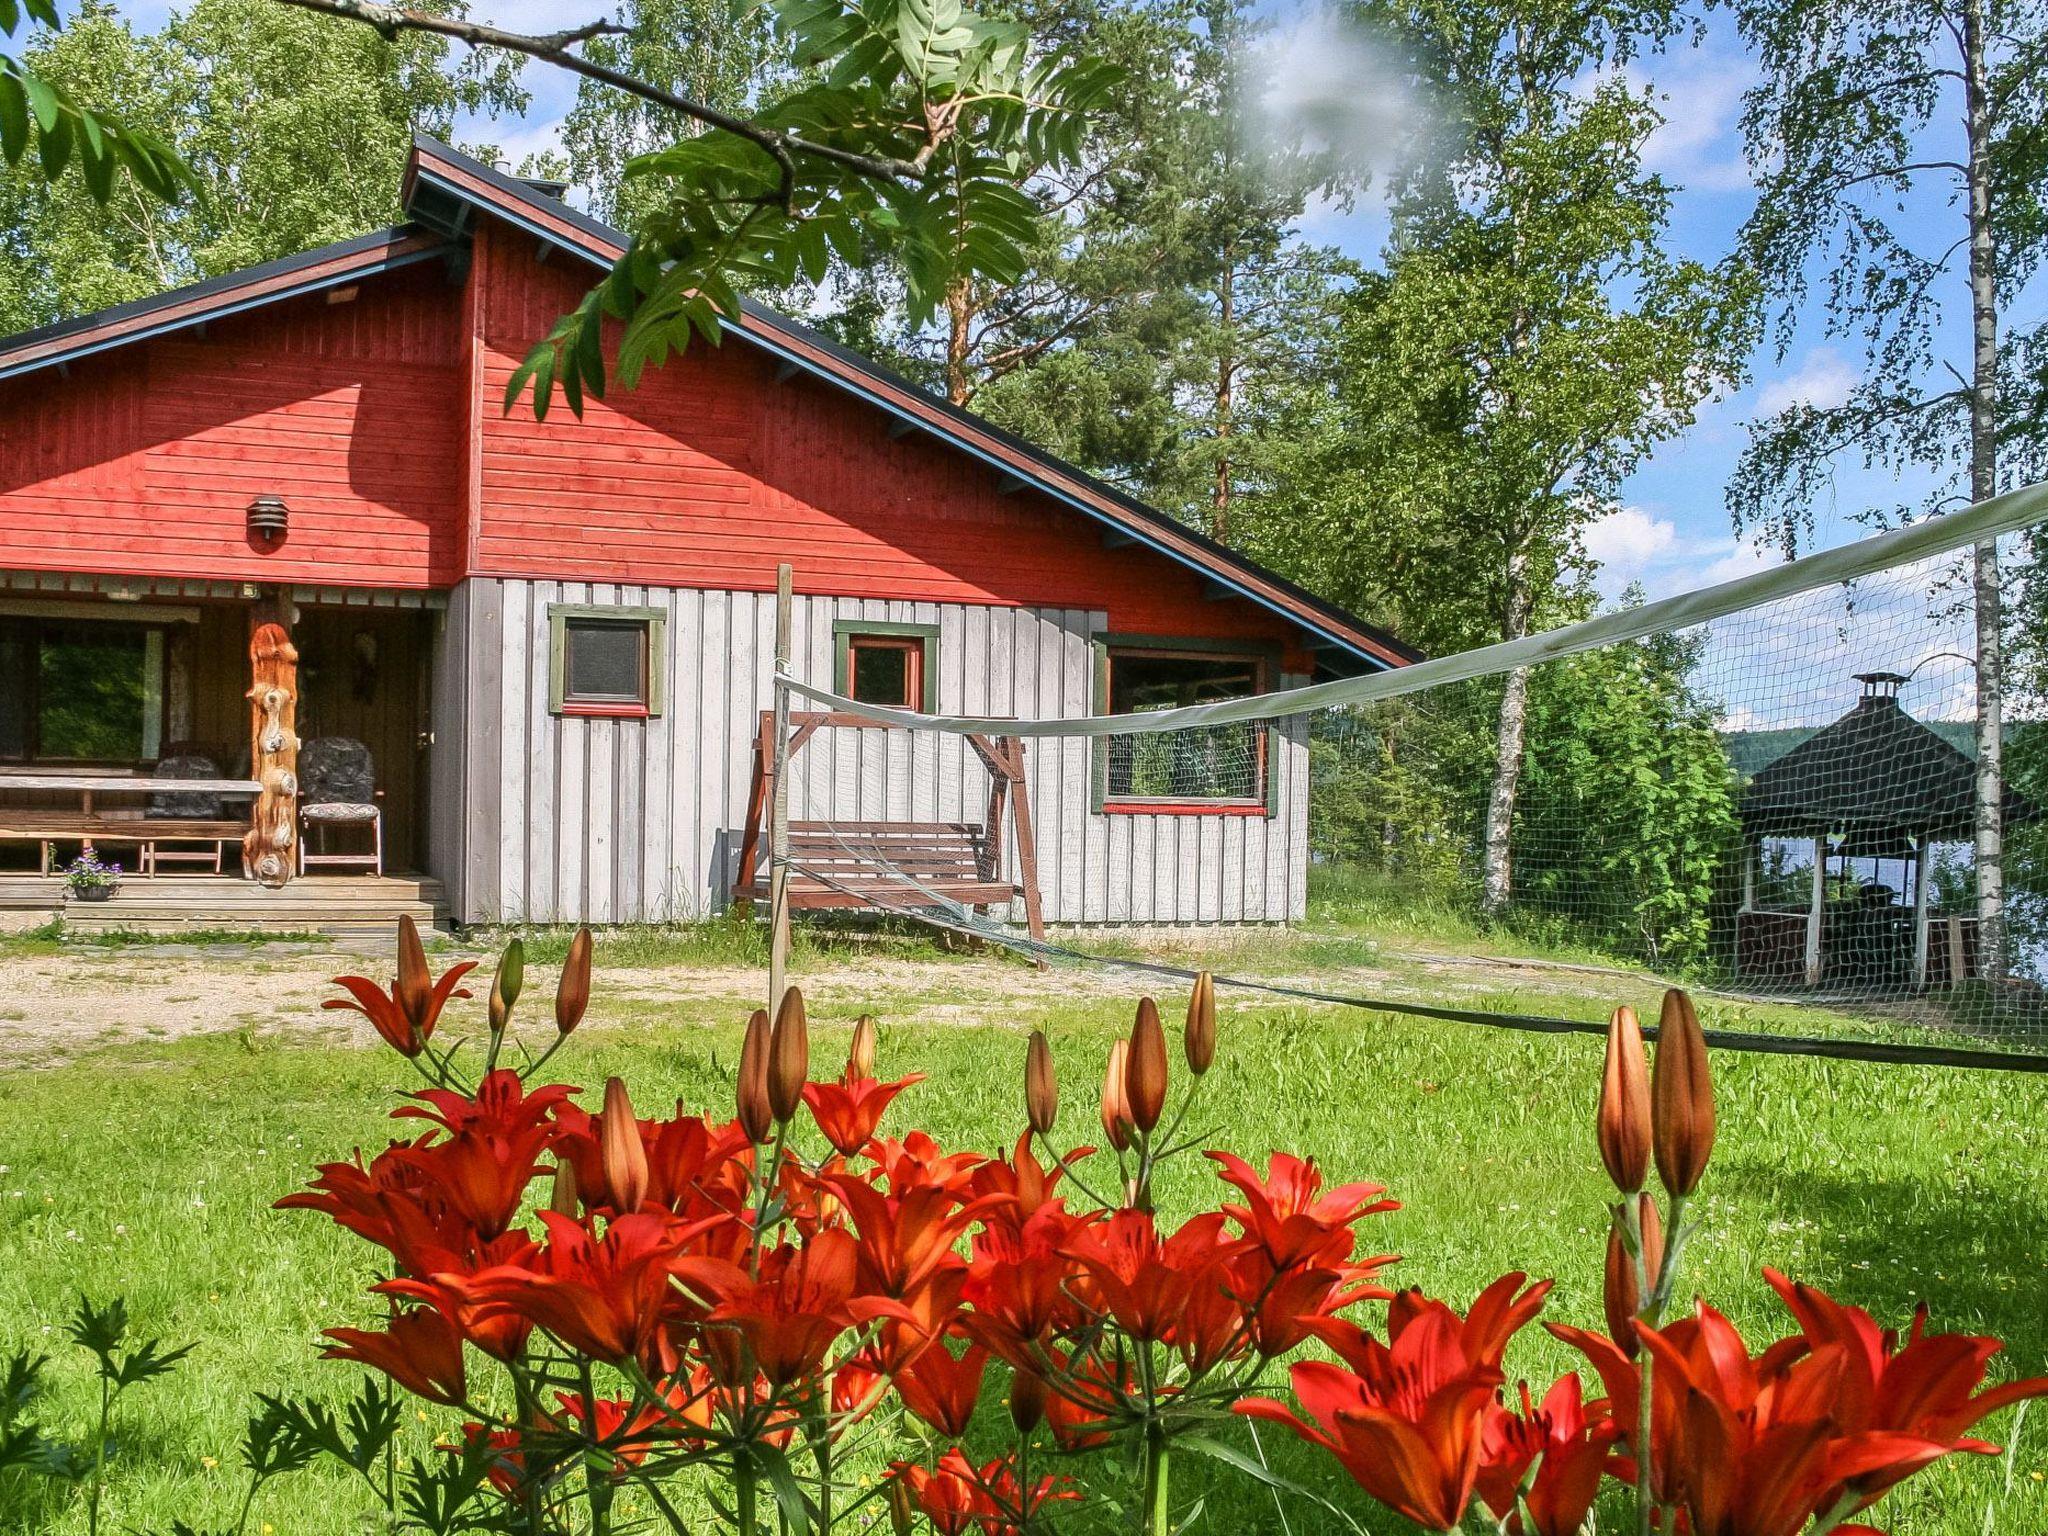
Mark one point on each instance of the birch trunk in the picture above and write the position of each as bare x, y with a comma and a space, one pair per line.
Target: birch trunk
1507, 762
1226, 368
1990, 782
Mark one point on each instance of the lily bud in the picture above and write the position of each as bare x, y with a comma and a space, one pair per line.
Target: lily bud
1027, 1401
505, 985
562, 1198
1681, 1097
789, 1055
902, 1513
625, 1158
572, 992
1041, 1085
415, 985
757, 1117
1145, 1071
1625, 1104
1622, 1297
860, 1061
1116, 1104
1200, 1040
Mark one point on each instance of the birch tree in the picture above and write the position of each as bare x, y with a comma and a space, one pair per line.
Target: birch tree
1902, 147
1529, 339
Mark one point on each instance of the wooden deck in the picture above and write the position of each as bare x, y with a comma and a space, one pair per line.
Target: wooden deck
337, 906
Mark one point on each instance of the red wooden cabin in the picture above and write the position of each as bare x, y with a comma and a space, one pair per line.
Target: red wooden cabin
553, 637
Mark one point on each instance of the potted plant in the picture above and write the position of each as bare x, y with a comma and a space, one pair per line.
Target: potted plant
90, 879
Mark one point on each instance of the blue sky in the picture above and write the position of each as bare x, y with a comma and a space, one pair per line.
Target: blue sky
1674, 530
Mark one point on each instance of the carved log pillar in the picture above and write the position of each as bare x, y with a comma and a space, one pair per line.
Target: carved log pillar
269, 849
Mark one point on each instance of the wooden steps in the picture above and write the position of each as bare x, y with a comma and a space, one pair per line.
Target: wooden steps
335, 906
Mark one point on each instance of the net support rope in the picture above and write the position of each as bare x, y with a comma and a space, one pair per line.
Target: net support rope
950, 916
1918, 542
1932, 536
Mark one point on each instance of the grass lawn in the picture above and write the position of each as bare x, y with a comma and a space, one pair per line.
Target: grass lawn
147, 1169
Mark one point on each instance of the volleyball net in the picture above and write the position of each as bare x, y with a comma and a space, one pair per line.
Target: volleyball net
1772, 790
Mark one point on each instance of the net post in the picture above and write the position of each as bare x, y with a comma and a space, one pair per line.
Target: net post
778, 836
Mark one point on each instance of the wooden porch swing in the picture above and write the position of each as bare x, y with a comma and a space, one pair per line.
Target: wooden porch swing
894, 864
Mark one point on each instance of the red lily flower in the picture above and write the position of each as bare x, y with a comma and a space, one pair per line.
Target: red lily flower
499, 1334
420, 1350
949, 1494
405, 1034
1287, 1305
1573, 1444
1927, 1390
956, 1496
624, 1433
507, 1472
849, 1110
1406, 1422
492, 1151
1024, 1181
943, 1388
1144, 1282
906, 1236
1017, 1278
790, 1316
918, 1161
1289, 1213
604, 1298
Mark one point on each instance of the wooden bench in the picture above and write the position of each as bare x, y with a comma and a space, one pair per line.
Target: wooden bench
48, 827
889, 864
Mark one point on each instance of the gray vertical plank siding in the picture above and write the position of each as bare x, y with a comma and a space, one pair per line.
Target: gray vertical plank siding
550, 819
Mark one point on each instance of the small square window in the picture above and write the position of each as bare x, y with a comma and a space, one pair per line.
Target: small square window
888, 664
606, 661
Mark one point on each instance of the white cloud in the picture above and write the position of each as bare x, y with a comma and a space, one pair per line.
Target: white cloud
1699, 146
1823, 379
1629, 539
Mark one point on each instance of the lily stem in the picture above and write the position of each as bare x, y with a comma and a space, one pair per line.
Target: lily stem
1157, 1452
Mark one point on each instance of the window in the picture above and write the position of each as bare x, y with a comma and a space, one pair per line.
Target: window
889, 664
1207, 768
81, 691
606, 661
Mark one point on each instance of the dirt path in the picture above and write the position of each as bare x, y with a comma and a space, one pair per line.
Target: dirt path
56, 1006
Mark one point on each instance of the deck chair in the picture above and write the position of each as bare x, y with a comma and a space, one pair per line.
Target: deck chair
191, 828
338, 788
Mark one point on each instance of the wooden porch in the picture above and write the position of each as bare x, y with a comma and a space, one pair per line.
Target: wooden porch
333, 906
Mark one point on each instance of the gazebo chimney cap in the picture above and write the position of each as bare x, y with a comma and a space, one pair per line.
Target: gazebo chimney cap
1881, 685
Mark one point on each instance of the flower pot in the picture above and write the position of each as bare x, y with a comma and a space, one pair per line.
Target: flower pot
93, 892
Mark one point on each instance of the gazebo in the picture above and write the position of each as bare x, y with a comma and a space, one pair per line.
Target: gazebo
1876, 784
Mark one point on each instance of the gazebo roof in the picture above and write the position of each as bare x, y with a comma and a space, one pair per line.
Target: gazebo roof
1876, 769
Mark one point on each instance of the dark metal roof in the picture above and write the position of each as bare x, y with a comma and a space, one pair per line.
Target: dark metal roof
345, 261
1876, 770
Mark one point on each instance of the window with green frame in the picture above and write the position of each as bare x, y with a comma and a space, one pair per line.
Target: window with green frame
1223, 768
606, 661
894, 665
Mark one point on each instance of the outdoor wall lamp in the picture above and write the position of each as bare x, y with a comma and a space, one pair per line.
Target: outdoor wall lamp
268, 519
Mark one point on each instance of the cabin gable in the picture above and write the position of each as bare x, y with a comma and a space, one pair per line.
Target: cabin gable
143, 459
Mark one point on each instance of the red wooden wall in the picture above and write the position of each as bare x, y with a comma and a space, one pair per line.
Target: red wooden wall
712, 471
143, 460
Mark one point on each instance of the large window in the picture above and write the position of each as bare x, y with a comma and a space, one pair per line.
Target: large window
606, 661
1207, 768
889, 664
80, 691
